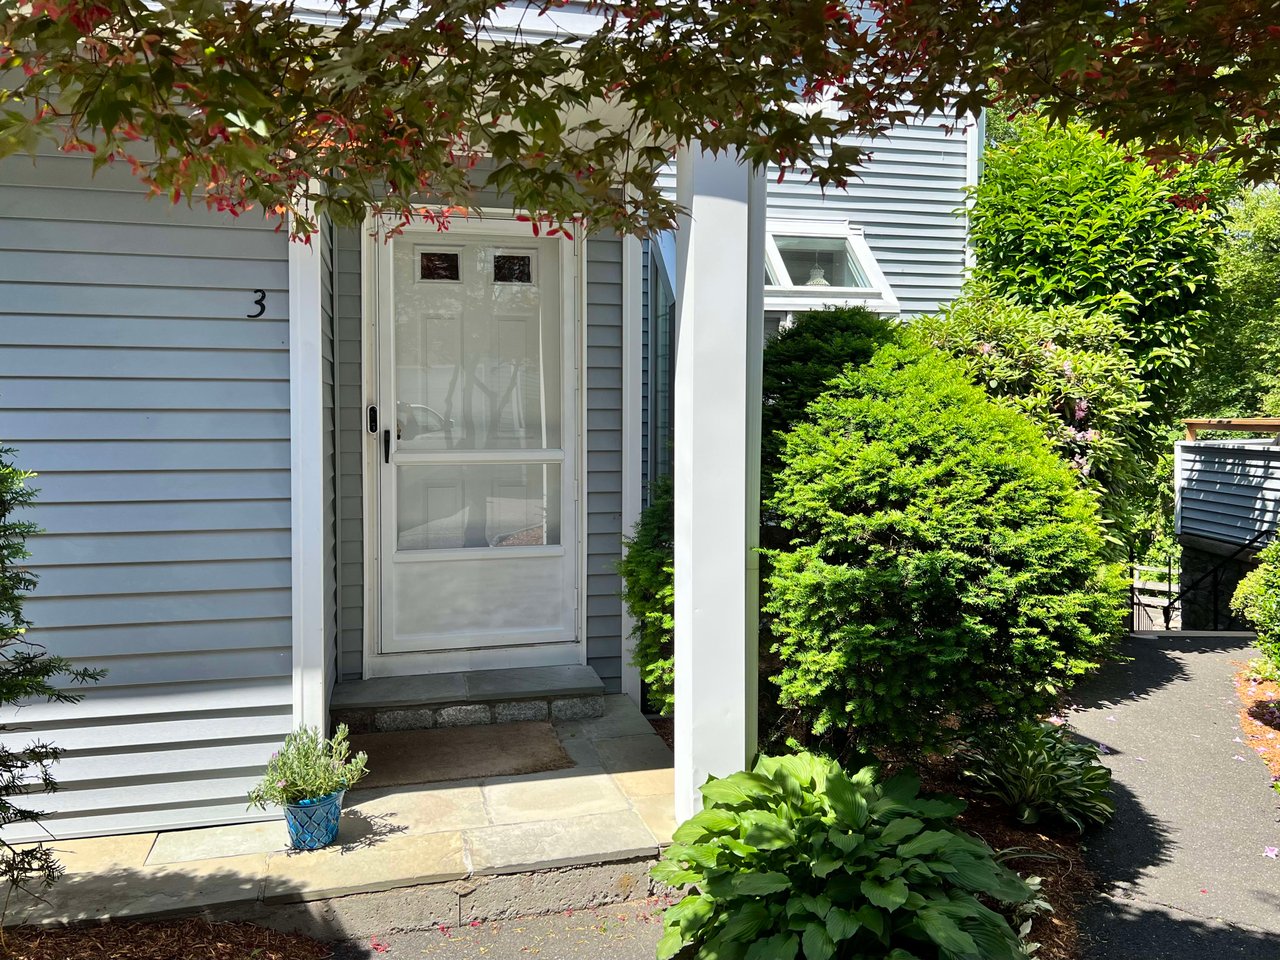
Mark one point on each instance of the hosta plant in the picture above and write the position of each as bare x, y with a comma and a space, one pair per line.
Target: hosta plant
1039, 770
798, 859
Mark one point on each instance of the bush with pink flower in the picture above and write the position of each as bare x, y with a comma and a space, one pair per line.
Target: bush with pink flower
1068, 369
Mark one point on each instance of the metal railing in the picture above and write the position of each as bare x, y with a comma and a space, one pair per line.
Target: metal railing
1216, 573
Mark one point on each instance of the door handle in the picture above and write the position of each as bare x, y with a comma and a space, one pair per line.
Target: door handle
386, 446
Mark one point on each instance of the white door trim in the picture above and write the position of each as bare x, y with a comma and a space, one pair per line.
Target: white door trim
498, 225
312, 658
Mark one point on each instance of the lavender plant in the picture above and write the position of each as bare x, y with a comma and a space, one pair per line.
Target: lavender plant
308, 767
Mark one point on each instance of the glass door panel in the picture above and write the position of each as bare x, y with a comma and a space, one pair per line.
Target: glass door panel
477, 510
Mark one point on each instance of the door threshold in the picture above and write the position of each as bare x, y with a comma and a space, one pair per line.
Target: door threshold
385, 704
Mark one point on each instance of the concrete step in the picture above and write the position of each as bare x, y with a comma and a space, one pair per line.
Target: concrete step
423, 702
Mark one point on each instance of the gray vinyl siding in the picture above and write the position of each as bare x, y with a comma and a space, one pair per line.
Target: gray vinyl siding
604, 459
909, 201
603, 431
1228, 490
157, 418
350, 438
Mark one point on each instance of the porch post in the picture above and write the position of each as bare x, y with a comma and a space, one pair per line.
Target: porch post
311, 660
719, 342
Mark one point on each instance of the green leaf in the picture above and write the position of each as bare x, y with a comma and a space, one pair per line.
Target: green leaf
720, 948
671, 873
739, 788
670, 944
818, 906
900, 829
781, 946
818, 944
872, 919
703, 823
889, 895
903, 787
841, 924
760, 884
691, 914
825, 865
946, 933
844, 842
847, 800
767, 831
931, 841
747, 923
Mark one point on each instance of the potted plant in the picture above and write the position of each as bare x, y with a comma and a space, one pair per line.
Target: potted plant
308, 777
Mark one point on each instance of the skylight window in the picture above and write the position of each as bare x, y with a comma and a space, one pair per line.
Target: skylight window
809, 265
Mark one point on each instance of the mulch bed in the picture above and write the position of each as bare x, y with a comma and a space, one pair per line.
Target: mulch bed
1054, 855
1260, 719
665, 728
190, 939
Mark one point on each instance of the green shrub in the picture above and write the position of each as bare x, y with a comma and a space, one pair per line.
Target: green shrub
797, 858
1257, 600
1065, 216
1067, 369
1040, 770
1239, 374
945, 574
309, 767
649, 592
28, 674
799, 363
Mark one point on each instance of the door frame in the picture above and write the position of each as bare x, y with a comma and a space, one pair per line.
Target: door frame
498, 225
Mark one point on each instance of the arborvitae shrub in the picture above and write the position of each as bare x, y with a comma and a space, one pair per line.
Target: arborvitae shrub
945, 573
27, 674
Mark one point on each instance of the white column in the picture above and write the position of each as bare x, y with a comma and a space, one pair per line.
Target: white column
719, 342
311, 660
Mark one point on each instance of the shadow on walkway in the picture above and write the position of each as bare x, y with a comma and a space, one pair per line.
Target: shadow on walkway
1181, 869
1145, 666
1120, 929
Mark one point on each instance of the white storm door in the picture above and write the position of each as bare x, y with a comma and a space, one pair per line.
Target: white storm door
475, 454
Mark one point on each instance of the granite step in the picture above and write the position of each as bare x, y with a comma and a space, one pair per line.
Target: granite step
384, 704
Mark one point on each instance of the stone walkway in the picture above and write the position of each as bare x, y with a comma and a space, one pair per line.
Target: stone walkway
1183, 864
445, 844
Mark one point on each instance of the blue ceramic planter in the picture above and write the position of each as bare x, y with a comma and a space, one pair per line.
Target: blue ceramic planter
314, 823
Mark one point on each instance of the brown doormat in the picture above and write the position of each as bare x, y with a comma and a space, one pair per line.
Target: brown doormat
460, 753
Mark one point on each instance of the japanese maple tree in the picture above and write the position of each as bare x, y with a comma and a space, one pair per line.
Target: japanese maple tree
411, 107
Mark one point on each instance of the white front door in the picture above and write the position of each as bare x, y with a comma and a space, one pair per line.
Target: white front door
475, 459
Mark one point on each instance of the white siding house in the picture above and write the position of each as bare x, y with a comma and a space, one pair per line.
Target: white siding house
231, 536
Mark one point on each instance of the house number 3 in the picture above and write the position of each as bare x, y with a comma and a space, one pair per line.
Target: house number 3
259, 301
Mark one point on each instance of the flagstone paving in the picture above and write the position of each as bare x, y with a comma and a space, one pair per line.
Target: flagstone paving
614, 805
1185, 866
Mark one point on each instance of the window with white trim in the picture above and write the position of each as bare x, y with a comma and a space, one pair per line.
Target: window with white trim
814, 264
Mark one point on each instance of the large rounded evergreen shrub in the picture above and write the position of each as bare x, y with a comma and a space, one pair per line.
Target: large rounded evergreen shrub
945, 571
798, 365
